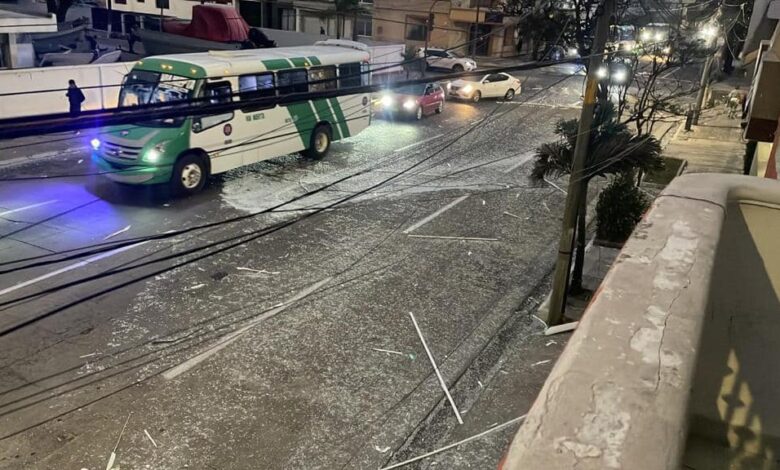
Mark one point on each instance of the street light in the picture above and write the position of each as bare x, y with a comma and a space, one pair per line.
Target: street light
428, 29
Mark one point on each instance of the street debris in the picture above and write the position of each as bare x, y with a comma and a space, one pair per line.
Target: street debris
480, 384
436, 369
546, 207
550, 342
120, 231
80, 161
456, 238
196, 287
258, 271
483, 202
112, 458
512, 215
553, 330
540, 321
88, 355
411, 356
382, 449
150, 437
454, 444
541, 362
554, 185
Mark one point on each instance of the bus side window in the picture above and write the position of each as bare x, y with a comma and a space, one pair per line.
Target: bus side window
325, 75
256, 86
216, 92
292, 81
349, 75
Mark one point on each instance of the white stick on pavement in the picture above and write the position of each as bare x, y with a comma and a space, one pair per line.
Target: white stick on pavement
436, 368
455, 444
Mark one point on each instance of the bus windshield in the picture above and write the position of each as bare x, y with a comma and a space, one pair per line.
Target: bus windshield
144, 87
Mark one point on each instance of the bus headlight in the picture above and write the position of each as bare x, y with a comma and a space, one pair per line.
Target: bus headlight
95, 143
410, 104
386, 101
154, 154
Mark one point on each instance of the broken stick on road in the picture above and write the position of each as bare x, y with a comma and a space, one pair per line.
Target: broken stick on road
436, 368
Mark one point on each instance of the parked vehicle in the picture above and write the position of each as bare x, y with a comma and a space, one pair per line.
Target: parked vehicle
444, 59
413, 100
492, 85
183, 150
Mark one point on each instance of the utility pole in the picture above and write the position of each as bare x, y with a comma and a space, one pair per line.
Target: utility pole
705, 80
476, 31
566, 243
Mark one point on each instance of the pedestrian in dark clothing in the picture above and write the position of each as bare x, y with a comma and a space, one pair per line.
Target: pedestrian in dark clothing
75, 98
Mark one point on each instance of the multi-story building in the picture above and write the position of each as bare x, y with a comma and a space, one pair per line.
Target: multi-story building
306, 16
477, 27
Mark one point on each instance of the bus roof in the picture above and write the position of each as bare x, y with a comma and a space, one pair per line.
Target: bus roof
238, 62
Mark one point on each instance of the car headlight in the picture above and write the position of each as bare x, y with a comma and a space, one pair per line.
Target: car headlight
468, 89
449, 86
601, 72
386, 101
95, 143
619, 76
666, 50
659, 36
645, 36
410, 104
572, 52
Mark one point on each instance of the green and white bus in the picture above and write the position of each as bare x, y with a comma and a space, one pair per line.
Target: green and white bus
184, 151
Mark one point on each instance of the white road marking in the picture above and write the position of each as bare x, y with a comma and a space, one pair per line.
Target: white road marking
31, 206
407, 147
176, 371
69, 268
439, 212
522, 161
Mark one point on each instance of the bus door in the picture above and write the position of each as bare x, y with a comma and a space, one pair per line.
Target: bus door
214, 133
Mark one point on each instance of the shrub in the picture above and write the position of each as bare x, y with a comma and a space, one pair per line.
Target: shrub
620, 206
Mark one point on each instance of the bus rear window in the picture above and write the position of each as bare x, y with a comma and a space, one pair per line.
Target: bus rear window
292, 81
349, 75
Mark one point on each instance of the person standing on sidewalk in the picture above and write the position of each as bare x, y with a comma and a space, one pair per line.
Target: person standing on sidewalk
75, 98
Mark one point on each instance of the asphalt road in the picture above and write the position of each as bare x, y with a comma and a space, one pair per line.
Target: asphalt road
252, 344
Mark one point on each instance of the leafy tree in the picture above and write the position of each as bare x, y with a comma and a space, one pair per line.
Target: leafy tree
612, 149
620, 207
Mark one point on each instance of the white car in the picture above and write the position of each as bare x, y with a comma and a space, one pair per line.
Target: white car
492, 85
444, 59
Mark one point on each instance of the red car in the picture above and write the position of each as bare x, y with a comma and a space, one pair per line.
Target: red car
413, 100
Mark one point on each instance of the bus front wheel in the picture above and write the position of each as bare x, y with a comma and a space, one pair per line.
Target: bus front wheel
189, 174
319, 144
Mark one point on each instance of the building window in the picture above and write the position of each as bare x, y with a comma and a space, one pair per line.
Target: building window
364, 26
288, 19
415, 28
120, 2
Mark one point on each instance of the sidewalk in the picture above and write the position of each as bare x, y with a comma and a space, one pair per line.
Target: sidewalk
713, 146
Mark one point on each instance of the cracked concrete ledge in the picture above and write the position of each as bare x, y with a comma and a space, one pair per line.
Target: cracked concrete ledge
618, 396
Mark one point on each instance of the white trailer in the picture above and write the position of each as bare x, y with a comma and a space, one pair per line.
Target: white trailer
35, 91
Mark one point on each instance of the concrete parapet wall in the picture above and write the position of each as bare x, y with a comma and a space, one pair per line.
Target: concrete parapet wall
657, 345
